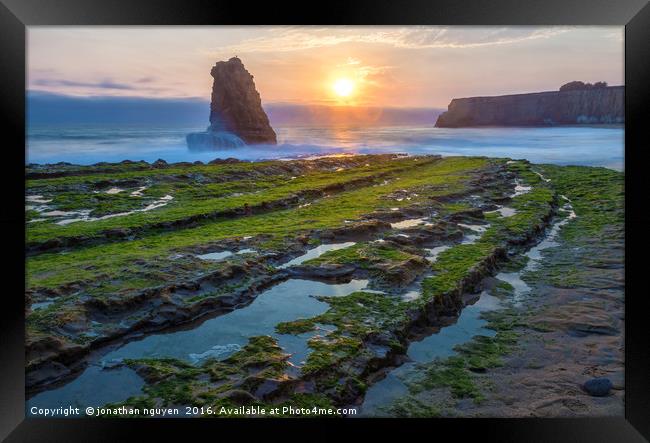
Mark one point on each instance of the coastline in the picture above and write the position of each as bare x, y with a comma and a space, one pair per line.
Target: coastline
560, 145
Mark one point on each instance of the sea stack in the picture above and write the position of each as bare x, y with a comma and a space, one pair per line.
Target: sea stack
235, 110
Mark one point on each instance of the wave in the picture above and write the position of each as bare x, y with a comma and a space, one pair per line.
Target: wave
560, 145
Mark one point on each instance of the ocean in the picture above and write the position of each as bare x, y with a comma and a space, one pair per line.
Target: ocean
88, 144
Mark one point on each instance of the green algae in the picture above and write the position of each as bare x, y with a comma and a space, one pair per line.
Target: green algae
215, 384
130, 265
114, 265
365, 255
452, 266
355, 316
173, 382
460, 374
411, 407
503, 289
453, 373
53, 269
196, 198
455, 264
597, 198
361, 314
329, 351
596, 195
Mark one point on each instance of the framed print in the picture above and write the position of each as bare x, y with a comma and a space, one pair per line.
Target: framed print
398, 216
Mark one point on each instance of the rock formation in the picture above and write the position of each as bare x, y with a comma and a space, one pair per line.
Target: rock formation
236, 112
591, 105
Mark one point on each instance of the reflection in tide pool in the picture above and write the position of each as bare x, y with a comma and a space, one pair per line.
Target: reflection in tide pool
94, 387
223, 254
315, 253
520, 288
549, 241
286, 301
217, 337
469, 324
439, 345
293, 299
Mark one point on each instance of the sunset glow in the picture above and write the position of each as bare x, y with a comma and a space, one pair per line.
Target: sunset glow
387, 66
343, 87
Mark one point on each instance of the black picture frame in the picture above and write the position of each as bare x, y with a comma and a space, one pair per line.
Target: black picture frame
15, 15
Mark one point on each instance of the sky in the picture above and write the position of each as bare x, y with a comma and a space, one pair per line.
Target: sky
389, 66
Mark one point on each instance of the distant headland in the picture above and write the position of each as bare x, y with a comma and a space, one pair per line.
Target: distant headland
574, 103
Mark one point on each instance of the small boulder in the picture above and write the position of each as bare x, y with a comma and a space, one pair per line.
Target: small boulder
598, 387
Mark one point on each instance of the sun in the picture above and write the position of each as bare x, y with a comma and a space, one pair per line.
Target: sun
343, 87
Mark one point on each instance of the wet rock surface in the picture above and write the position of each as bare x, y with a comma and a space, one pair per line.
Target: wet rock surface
558, 348
179, 286
171, 283
236, 181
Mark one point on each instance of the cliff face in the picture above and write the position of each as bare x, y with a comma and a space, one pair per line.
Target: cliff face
591, 106
236, 105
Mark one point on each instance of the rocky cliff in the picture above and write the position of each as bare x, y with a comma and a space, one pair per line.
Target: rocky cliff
568, 107
236, 112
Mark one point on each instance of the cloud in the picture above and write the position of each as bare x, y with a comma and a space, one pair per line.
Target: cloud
143, 86
145, 80
104, 84
286, 39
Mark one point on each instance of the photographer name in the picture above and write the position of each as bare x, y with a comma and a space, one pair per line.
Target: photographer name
241, 411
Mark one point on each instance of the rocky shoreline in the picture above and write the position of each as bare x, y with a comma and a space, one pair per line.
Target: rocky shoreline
558, 351
393, 211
